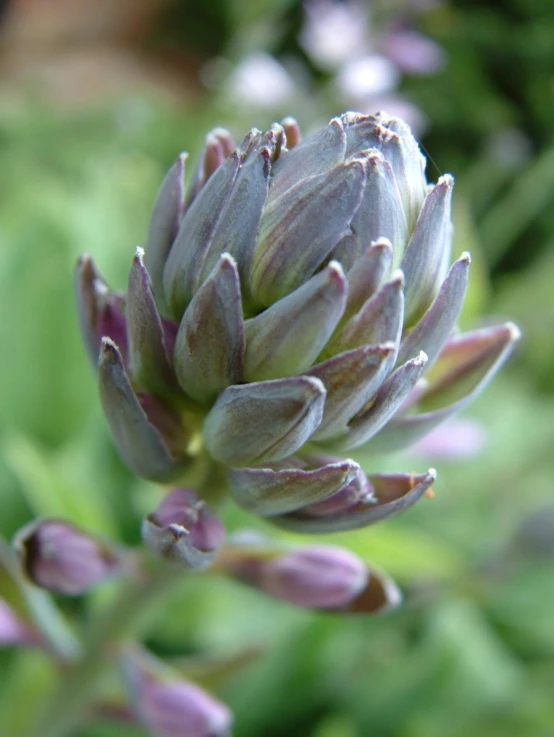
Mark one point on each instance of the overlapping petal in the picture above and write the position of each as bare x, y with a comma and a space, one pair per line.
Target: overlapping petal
466, 365
139, 443
393, 494
300, 229
268, 492
264, 421
209, 348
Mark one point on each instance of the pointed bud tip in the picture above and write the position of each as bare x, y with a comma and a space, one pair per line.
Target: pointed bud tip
335, 273
109, 350
397, 278
381, 243
465, 258
179, 165
292, 131
313, 386
514, 331
88, 275
447, 180
85, 262
336, 122
139, 256
226, 262
421, 359
213, 137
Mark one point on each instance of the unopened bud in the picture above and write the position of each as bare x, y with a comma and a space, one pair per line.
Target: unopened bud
317, 577
320, 577
61, 558
184, 529
172, 707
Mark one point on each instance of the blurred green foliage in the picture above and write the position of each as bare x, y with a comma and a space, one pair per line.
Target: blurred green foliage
471, 652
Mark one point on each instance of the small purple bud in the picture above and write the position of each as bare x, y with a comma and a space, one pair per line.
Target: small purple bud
62, 558
317, 577
172, 707
184, 507
13, 630
183, 528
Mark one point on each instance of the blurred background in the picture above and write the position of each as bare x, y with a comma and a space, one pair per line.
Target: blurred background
97, 97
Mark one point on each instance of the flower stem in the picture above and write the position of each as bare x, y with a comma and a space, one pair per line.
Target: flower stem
123, 619
46, 618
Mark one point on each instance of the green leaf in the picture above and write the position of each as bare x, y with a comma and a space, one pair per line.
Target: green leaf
51, 491
24, 687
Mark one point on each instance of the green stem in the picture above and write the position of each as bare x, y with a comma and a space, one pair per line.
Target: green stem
122, 620
45, 616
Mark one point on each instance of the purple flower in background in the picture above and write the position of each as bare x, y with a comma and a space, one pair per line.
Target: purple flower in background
457, 439
412, 52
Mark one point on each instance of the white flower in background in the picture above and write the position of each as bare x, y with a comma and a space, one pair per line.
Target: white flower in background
367, 76
333, 32
259, 80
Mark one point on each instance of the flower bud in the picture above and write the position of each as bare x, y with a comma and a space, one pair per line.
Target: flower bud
316, 577
290, 304
62, 558
172, 707
184, 529
320, 577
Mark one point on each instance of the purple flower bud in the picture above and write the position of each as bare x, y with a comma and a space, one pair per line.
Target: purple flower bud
62, 558
13, 630
414, 53
308, 288
322, 577
317, 577
172, 707
184, 529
